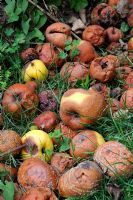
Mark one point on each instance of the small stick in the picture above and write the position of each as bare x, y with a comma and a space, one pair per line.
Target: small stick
53, 18
12, 150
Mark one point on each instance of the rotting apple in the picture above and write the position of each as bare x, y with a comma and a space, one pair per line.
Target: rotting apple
38, 144
35, 172
20, 98
130, 18
50, 55
113, 34
86, 52
129, 81
58, 33
130, 44
84, 144
9, 140
127, 99
46, 121
61, 162
80, 107
104, 15
73, 71
94, 34
80, 180
35, 70
29, 55
114, 159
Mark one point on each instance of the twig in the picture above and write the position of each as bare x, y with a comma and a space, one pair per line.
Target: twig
53, 18
12, 150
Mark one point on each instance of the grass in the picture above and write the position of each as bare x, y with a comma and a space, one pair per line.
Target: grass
120, 129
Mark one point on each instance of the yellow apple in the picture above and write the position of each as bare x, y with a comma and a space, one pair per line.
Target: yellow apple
39, 144
35, 70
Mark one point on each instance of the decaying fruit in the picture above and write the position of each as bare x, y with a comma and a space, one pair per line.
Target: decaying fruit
39, 193
86, 52
61, 162
101, 88
47, 99
129, 81
79, 180
103, 68
58, 33
73, 71
49, 55
84, 144
115, 159
34, 172
130, 44
46, 121
38, 144
79, 107
104, 15
9, 140
18, 98
29, 55
94, 34
123, 71
130, 18
127, 99
113, 34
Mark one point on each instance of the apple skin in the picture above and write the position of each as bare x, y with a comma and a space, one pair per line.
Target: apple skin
37, 141
113, 34
46, 121
80, 107
130, 44
35, 70
126, 100
85, 141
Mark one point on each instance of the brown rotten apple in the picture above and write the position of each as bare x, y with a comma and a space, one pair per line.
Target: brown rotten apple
105, 15
130, 18
46, 121
94, 34
129, 81
73, 71
47, 100
123, 72
114, 158
127, 99
65, 130
79, 107
49, 55
18, 98
113, 34
103, 68
58, 33
34, 172
9, 140
29, 55
79, 180
61, 162
85, 143
102, 88
11, 171
87, 52
39, 193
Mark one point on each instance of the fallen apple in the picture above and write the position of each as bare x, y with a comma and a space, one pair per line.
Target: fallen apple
35, 70
84, 144
38, 144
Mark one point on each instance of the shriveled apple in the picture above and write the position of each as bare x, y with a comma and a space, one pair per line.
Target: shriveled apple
114, 159
79, 180
46, 121
80, 107
84, 144
34, 172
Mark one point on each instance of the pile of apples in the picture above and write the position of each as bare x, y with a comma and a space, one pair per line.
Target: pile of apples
43, 171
